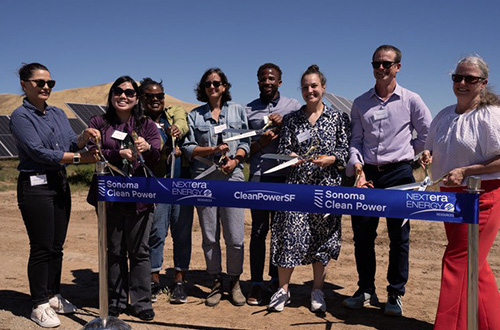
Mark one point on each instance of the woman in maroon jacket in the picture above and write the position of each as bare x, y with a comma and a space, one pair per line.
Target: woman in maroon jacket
129, 224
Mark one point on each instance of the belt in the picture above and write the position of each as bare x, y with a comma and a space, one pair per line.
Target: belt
386, 167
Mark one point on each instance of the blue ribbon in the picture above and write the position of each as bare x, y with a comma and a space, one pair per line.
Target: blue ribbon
423, 205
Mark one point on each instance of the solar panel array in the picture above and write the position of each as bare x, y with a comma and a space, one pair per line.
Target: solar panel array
8, 146
338, 102
77, 125
83, 112
86, 111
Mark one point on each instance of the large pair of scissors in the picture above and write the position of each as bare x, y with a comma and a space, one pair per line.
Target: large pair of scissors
214, 166
101, 157
292, 160
245, 133
419, 186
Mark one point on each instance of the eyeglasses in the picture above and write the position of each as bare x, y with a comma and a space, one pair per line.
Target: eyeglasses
129, 92
468, 79
40, 83
216, 83
151, 96
385, 64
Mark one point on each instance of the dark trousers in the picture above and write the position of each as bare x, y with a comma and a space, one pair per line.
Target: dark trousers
260, 227
128, 235
365, 232
45, 210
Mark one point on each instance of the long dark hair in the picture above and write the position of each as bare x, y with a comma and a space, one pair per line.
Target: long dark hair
201, 94
110, 114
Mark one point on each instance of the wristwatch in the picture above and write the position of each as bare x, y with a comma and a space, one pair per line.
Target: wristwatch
76, 158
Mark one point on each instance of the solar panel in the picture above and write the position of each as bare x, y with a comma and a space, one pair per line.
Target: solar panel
338, 102
86, 111
4, 152
4, 125
77, 125
8, 142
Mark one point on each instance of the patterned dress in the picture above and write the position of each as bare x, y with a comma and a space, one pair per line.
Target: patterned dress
299, 238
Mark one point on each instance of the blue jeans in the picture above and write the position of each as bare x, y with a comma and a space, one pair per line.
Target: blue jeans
180, 220
365, 232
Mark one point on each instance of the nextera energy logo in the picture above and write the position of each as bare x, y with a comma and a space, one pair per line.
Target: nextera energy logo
192, 189
264, 195
430, 203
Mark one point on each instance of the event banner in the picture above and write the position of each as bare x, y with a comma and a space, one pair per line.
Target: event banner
436, 206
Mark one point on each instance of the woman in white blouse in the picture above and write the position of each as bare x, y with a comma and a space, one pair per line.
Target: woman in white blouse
464, 140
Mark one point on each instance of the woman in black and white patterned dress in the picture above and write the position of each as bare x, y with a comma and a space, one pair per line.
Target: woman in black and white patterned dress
300, 238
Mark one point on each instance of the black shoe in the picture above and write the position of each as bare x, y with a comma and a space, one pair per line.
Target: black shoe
255, 296
145, 315
114, 311
155, 291
178, 295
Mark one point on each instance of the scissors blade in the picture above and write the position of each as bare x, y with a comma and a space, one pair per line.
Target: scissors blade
172, 160
114, 168
277, 157
241, 136
282, 166
206, 172
408, 186
204, 160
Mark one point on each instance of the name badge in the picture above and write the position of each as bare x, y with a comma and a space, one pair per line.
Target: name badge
159, 125
304, 136
266, 119
381, 114
220, 128
37, 180
119, 135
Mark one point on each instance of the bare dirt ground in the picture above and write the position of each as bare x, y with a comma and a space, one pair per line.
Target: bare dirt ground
80, 282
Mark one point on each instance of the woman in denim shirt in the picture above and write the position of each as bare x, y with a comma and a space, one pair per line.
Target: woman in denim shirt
206, 124
46, 144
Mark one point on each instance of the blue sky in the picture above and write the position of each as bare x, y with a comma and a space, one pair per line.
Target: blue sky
86, 43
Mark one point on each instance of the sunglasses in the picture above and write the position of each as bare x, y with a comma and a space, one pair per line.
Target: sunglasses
151, 96
385, 64
216, 83
40, 83
129, 92
468, 79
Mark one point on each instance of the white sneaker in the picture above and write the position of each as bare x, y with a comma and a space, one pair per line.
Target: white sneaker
45, 316
61, 305
279, 300
318, 301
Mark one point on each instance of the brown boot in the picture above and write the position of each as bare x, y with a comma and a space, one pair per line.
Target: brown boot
237, 296
215, 294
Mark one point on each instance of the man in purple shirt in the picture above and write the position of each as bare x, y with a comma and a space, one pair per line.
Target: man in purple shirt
270, 106
381, 150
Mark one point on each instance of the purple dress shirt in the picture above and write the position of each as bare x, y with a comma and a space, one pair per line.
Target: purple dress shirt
381, 131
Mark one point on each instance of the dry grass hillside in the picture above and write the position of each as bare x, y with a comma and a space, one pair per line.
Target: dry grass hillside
87, 95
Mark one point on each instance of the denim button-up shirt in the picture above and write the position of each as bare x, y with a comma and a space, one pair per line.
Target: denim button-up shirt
42, 138
202, 132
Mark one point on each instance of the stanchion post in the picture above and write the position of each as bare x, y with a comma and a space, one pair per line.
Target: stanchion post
104, 321
473, 187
